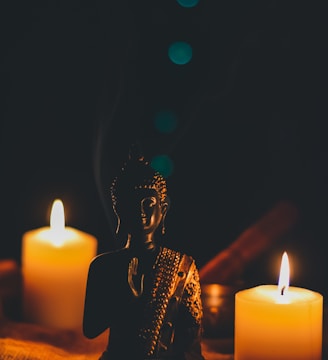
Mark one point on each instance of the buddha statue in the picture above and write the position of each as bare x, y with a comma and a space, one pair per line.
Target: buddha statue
146, 294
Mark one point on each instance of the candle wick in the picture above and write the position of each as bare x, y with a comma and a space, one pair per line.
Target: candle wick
282, 290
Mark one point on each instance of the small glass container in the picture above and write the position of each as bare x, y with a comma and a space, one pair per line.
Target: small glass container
219, 309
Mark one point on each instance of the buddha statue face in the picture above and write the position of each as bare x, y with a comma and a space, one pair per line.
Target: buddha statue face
151, 209
142, 211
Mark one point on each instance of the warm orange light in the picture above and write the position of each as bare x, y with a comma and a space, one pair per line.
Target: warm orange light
283, 283
55, 263
285, 321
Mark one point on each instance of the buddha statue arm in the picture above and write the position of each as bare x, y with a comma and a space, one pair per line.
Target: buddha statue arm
96, 302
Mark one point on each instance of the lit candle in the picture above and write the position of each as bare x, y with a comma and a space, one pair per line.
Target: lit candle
278, 322
55, 263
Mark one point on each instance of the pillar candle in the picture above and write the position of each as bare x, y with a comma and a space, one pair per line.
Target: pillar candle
55, 263
278, 322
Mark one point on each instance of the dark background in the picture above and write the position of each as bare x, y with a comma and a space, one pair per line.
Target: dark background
81, 80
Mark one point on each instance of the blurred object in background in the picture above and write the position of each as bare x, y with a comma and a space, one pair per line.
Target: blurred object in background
10, 290
228, 265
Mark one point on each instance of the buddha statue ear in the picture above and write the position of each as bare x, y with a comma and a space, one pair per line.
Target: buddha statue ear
165, 208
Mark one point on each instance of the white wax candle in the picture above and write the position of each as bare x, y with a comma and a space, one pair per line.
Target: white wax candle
278, 322
55, 263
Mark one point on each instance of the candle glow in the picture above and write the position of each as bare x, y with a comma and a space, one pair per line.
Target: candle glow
278, 321
55, 263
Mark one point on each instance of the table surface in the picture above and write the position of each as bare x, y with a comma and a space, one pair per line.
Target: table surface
25, 341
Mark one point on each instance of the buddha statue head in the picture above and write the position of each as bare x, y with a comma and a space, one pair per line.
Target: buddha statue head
140, 201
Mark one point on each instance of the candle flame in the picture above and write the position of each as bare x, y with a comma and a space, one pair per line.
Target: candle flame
283, 283
57, 216
57, 223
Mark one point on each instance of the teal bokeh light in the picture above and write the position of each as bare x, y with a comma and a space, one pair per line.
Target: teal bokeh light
180, 52
162, 164
188, 3
165, 121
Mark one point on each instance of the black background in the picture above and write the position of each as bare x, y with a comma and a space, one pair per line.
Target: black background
81, 80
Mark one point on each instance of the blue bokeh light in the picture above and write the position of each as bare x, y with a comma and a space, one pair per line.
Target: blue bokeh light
180, 52
165, 121
163, 164
188, 3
